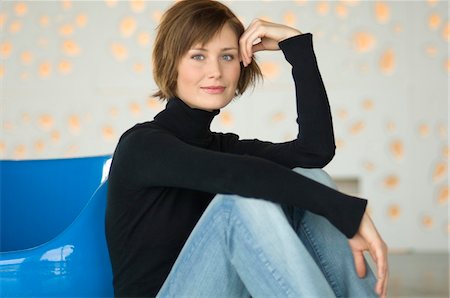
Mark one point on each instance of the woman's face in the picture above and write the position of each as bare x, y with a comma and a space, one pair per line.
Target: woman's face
208, 75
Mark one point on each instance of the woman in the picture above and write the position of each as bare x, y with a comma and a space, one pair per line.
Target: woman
201, 214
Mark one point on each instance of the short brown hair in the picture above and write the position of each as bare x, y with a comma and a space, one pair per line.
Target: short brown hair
184, 24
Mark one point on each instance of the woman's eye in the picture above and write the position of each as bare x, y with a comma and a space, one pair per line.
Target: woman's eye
198, 57
228, 57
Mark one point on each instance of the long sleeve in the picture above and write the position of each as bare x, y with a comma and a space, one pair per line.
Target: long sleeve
314, 145
152, 158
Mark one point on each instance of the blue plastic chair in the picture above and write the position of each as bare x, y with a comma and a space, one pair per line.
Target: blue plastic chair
52, 228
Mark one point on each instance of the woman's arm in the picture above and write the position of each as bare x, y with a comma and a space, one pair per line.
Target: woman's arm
314, 120
314, 145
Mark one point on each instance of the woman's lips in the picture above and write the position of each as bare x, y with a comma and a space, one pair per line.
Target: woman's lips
214, 89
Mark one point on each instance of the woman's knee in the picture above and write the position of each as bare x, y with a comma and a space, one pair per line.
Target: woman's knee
318, 175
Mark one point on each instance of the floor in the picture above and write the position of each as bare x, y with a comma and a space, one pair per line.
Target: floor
417, 275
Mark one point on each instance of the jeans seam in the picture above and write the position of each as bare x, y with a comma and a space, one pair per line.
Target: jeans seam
322, 263
283, 285
193, 246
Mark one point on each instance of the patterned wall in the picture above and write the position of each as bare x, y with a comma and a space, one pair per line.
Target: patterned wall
76, 74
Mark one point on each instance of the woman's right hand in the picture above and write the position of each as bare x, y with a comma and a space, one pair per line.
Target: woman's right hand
368, 238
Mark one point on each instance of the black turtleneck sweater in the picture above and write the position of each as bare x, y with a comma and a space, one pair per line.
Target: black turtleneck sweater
165, 172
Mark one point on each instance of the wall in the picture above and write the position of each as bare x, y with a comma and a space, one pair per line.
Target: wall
75, 75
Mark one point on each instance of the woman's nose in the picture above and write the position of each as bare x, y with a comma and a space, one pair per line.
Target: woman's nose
214, 69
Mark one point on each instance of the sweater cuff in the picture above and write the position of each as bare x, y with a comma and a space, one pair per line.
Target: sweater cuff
297, 48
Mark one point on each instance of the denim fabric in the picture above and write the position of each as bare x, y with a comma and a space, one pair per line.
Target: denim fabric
245, 247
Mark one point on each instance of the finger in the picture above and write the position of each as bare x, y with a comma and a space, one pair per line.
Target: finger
244, 40
360, 265
258, 47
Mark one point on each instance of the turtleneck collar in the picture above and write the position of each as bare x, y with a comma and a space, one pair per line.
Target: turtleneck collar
189, 124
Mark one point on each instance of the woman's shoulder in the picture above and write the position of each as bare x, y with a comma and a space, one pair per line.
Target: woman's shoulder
145, 130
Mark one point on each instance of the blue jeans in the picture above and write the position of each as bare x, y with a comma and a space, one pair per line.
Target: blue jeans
245, 247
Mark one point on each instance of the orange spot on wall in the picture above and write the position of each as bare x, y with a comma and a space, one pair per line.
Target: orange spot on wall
278, 117
66, 4
382, 12
289, 18
137, 6
66, 30
369, 166
391, 126
113, 112
20, 9
128, 26
431, 50
322, 8
71, 48
391, 181
341, 10
15, 27
357, 127
340, 143
153, 103
434, 21
363, 41
226, 118
350, 2
138, 67
55, 136
111, 3
423, 130
39, 146
2, 147
394, 211
143, 39
24, 76
397, 149
387, 62
432, 2
269, 69
446, 32
301, 2
2, 71
368, 104
446, 152
8, 126
81, 20
44, 21
3, 18
119, 51
26, 57
74, 124
442, 130
45, 69
156, 16
440, 171
65, 66
443, 195
447, 65
46, 121
427, 221
342, 114
108, 133
135, 109
20, 151
5, 49
397, 28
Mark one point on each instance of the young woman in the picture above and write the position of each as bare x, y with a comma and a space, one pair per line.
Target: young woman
194, 213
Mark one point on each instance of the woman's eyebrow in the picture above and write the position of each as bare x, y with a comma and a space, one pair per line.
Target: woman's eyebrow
223, 49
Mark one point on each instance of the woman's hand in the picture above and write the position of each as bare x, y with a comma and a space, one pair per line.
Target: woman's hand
368, 238
268, 34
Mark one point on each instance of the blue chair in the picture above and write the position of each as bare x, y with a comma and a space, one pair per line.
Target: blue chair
52, 216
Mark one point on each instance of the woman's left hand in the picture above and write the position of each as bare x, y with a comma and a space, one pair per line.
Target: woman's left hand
270, 35
368, 239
